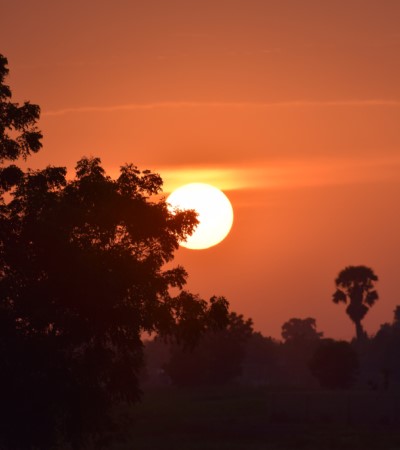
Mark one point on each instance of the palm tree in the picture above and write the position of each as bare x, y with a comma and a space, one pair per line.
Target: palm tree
355, 285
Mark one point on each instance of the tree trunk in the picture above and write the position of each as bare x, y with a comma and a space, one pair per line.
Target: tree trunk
360, 333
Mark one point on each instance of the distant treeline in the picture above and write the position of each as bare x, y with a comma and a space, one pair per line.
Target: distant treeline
303, 358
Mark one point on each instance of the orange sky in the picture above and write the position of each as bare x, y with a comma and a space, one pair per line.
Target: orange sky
292, 107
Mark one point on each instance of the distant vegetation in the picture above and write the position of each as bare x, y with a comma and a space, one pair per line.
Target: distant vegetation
302, 359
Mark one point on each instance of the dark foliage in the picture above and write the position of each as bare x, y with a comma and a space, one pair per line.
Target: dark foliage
81, 278
300, 341
217, 359
19, 136
334, 364
300, 330
384, 355
260, 364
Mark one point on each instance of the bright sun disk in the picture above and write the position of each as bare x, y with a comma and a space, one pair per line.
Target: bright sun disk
215, 213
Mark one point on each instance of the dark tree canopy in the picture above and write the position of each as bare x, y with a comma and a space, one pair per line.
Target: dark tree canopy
300, 330
19, 136
261, 363
355, 286
217, 359
384, 352
300, 340
82, 277
334, 364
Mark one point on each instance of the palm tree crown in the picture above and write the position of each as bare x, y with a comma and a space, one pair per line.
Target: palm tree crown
355, 285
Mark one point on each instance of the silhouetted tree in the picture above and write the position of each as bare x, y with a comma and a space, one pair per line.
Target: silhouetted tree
396, 317
334, 364
18, 133
355, 285
260, 364
300, 330
217, 359
81, 278
300, 340
385, 352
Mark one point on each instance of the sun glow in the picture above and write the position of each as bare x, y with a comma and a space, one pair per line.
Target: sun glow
214, 209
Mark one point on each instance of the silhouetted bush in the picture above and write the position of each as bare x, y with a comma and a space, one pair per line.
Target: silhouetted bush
261, 360
334, 364
300, 340
217, 359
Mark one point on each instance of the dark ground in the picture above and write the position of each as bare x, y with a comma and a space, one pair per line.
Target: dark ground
231, 418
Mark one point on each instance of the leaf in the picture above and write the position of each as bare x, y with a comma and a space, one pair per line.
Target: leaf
339, 296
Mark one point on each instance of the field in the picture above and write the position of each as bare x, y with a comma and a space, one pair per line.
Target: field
257, 419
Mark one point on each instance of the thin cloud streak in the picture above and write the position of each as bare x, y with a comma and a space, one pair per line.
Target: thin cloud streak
284, 175
237, 105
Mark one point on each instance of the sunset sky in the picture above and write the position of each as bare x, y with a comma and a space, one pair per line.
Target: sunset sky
291, 107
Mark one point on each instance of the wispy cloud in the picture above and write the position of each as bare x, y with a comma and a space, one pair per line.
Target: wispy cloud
234, 105
283, 174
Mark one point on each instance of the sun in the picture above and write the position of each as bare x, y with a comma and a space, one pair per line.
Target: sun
215, 213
